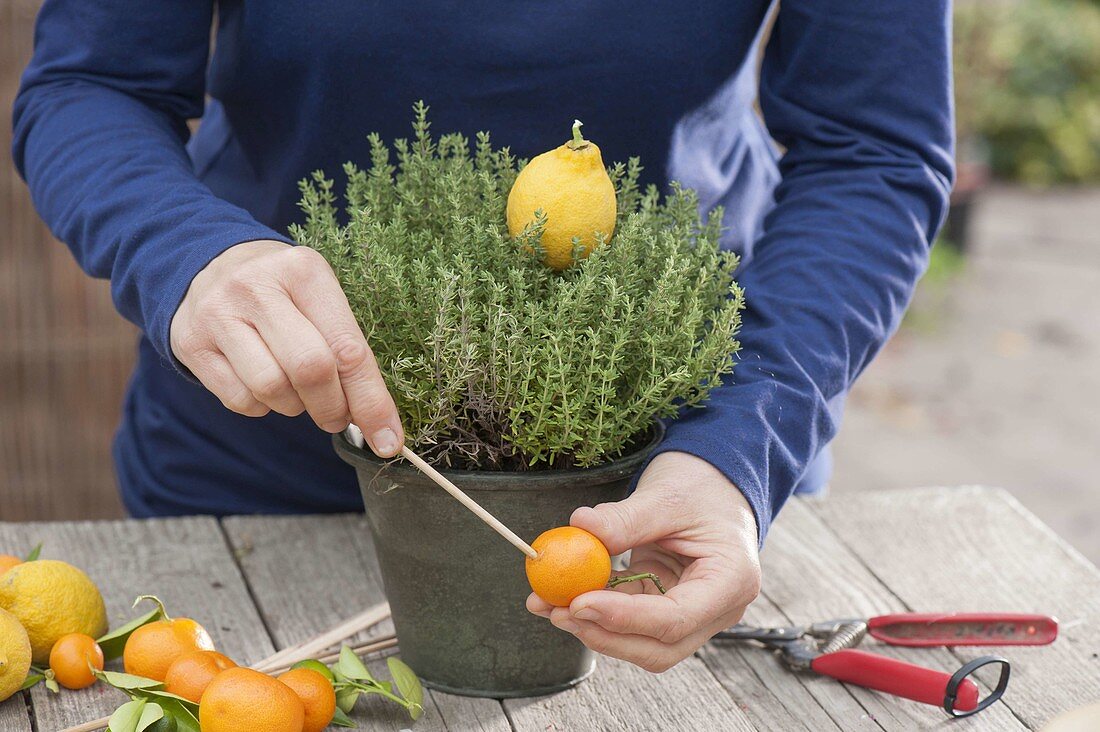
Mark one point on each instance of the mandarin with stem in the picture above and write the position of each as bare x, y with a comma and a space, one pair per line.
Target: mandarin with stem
153, 648
570, 562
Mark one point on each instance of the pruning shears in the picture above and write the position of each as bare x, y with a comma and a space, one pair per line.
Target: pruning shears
828, 648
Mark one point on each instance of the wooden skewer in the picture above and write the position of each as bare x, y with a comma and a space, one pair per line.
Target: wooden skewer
469, 503
355, 436
351, 626
95, 724
381, 643
287, 657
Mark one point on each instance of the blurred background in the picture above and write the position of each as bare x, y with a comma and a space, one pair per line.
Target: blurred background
993, 379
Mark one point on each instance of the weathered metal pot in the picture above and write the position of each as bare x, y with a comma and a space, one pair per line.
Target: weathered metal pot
457, 589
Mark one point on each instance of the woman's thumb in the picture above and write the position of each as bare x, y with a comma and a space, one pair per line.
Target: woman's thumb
623, 525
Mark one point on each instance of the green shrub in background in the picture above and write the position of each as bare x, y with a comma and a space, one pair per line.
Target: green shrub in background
1027, 81
496, 361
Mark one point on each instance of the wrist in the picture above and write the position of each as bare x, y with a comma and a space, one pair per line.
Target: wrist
238, 253
682, 472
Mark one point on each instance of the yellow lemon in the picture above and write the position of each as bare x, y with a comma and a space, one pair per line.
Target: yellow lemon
51, 599
571, 187
15, 654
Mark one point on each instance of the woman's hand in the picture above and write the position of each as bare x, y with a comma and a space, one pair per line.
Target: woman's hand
266, 327
692, 528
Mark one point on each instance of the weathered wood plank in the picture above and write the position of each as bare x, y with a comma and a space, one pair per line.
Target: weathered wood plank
810, 575
850, 557
441, 712
308, 574
620, 696
186, 562
466, 714
978, 549
772, 697
14, 715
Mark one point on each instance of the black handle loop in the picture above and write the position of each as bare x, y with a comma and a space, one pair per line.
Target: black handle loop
952, 689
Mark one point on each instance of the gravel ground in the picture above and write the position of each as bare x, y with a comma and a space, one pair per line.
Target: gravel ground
995, 378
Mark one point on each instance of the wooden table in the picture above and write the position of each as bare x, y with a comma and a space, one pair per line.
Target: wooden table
261, 583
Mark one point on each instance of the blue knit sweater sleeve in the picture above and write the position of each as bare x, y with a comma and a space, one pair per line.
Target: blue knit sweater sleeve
859, 95
100, 125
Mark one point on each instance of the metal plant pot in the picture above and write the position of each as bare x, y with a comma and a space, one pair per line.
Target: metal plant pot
457, 589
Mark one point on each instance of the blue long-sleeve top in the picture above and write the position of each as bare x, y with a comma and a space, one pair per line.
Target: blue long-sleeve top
834, 232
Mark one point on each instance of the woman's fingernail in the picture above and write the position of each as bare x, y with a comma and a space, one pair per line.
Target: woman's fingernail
567, 625
384, 442
586, 613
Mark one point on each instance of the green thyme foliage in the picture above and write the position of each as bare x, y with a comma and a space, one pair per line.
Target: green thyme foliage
496, 361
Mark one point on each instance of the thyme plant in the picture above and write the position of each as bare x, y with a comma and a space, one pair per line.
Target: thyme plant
497, 362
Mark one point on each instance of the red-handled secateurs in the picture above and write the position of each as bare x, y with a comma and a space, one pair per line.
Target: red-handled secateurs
828, 648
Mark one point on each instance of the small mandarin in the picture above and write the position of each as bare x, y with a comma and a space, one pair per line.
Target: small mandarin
154, 647
317, 695
69, 659
241, 699
570, 562
191, 673
7, 561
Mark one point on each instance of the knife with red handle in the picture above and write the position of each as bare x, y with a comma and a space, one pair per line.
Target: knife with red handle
963, 629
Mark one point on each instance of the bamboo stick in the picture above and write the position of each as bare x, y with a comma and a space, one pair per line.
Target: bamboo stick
307, 649
381, 643
355, 436
469, 503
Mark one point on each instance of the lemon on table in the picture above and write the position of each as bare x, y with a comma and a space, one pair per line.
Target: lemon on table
571, 187
51, 599
15, 654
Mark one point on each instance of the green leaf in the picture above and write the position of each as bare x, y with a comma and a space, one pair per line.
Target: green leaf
416, 711
126, 717
346, 698
128, 682
407, 682
35, 553
152, 713
51, 684
351, 667
341, 719
166, 697
185, 719
167, 723
114, 642
31, 680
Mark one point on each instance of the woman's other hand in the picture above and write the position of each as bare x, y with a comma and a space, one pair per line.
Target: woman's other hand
691, 527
